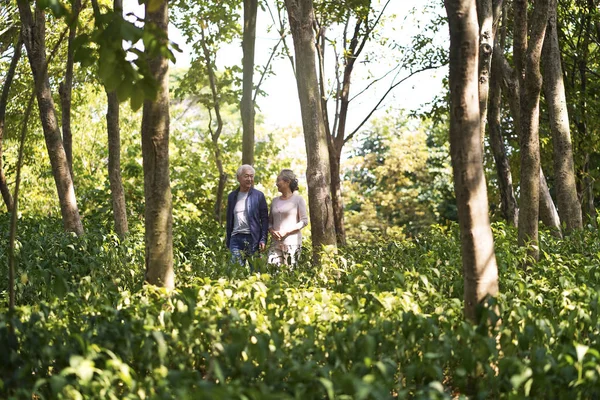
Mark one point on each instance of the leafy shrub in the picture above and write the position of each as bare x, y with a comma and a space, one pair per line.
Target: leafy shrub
376, 321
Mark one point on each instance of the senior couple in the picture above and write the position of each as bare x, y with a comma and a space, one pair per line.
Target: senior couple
249, 221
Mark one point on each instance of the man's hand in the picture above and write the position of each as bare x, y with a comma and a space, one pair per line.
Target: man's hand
262, 246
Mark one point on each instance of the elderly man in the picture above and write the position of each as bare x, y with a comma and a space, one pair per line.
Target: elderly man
247, 218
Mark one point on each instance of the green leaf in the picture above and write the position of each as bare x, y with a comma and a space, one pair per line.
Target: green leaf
61, 286
137, 98
328, 385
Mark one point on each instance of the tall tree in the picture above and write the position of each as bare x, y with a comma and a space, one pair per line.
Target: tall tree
579, 32
527, 61
3, 103
247, 103
66, 88
34, 30
210, 27
360, 20
554, 91
114, 153
155, 152
510, 84
301, 17
477, 245
215, 133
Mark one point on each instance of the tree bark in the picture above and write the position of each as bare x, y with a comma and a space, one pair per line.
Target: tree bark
554, 91
66, 88
301, 17
114, 165
114, 155
10, 74
34, 38
155, 152
247, 103
508, 201
486, 45
477, 245
215, 134
548, 214
338, 139
530, 112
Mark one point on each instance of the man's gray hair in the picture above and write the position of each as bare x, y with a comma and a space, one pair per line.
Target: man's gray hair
241, 169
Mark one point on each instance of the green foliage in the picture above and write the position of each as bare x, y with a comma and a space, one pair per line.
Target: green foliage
398, 179
377, 321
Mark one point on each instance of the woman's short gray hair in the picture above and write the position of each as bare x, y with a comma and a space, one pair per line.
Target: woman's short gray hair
288, 175
241, 169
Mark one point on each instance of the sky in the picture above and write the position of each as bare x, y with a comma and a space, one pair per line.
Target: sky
280, 108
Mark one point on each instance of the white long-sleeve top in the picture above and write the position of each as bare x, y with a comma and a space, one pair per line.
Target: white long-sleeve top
289, 215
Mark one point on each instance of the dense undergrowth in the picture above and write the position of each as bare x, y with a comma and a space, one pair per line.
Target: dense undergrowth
376, 321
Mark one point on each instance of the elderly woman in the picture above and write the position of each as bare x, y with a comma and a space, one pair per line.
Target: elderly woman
286, 219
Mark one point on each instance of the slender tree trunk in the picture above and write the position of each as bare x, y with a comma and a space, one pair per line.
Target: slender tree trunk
490, 90
530, 145
114, 165
247, 104
587, 194
34, 38
301, 17
215, 134
486, 45
507, 195
10, 74
155, 151
351, 53
114, 155
66, 88
554, 90
548, 213
337, 199
477, 244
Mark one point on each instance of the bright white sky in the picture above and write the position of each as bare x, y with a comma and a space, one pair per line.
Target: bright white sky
281, 107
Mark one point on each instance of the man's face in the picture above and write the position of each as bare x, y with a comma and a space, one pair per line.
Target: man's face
246, 180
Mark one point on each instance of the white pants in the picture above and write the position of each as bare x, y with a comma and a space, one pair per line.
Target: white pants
284, 254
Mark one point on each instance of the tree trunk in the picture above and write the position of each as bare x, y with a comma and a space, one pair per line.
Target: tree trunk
114, 165
66, 88
114, 156
34, 38
155, 151
337, 200
215, 134
530, 145
247, 104
301, 17
10, 74
554, 91
588, 193
339, 139
548, 213
507, 195
477, 244
486, 45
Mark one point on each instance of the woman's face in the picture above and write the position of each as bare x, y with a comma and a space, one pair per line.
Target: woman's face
282, 184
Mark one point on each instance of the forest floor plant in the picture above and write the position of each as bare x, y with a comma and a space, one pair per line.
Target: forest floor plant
380, 320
